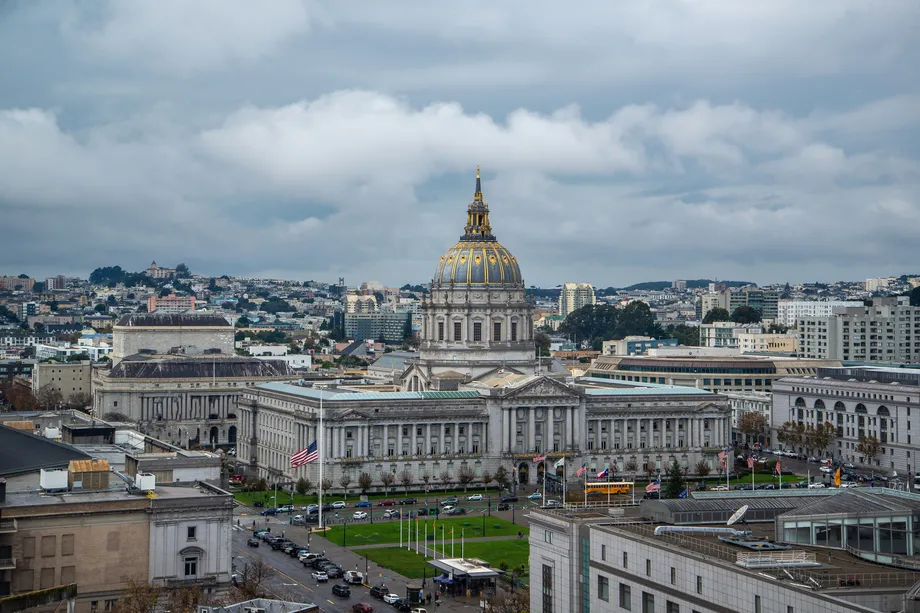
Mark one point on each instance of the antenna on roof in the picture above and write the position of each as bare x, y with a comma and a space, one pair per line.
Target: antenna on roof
737, 516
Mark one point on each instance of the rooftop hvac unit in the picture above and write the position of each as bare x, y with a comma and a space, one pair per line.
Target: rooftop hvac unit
145, 481
52, 432
253, 610
53, 479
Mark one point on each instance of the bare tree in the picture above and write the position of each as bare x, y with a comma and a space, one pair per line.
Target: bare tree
364, 482
405, 477
511, 602
249, 581
303, 485
387, 479
445, 479
184, 599
632, 467
868, 446
49, 398
486, 479
345, 481
703, 469
465, 476
502, 478
79, 401
138, 596
326, 485
753, 425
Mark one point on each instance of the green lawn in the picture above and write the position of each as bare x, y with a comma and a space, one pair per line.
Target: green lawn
268, 497
355, 535
412, 565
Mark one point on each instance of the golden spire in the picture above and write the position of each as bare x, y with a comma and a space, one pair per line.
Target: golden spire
477, 195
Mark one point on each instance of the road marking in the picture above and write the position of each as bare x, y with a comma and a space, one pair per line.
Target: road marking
329, 601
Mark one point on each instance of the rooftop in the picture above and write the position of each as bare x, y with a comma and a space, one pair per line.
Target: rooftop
610, 387
175, 320
336, 395
196, 367
22, 452
118, 492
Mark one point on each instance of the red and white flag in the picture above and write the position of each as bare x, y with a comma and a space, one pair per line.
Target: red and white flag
779, 467
751, 462
539, 459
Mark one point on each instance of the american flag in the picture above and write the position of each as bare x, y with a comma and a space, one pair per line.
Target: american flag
653, 487
581, 470
539, 459
305, 456
751, 462
779, 467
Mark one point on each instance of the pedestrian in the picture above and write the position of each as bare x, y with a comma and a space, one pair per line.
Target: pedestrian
282, 534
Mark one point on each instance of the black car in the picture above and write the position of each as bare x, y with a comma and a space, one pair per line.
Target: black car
258, 503
379, 591
402, 605
278, 543
253, 542
457, 511
408, 501
317, 562
334, 572
503, 507
509, 499
342, 590
294, 550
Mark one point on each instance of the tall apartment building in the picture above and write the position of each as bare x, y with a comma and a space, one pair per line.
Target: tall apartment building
679, 285
887, 331
360, 304
763, 301
574, 296
170, 304
789, 312
876, 284
725, 333
55, 283
17, 284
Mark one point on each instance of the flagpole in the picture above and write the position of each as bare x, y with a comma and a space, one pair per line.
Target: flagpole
585, 486
321, 447
400, 529
451, 542
608, 484
426, 535
544, 479
461, 543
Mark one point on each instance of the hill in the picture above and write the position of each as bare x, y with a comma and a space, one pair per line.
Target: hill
691, 284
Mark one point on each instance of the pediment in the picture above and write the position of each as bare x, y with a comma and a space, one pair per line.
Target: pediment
544, 387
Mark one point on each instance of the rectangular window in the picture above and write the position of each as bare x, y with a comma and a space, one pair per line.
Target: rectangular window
191, 567
440, 330
648, 567
603, 588
672, 607
604, 553
477, 331
547, 537
496, 331
49, 546
625, 597
513, 330
757, 608
625, 560
699, 584
648, 603
191, 530
458, 329
673, 576
547, 588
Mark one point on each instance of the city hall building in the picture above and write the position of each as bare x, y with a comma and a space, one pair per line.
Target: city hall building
477, 397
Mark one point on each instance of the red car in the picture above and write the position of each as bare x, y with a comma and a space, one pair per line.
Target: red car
362, 607
386, 503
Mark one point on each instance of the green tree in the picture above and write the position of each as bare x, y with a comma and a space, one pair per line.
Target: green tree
868, 446
543, 342
635, 319
915, 296
303, 486
745, 314
100, 308
717, 314
590, 323
753, 425
502, 478
182, 271
676, 482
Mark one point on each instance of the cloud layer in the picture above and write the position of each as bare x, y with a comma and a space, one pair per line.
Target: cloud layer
697, 139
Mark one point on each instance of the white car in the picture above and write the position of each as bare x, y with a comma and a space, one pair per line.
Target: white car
447, 508
815, 486
474, 497
826, 469
720, 488
338, 504
849, 484
320, 575
390, 598
359, 515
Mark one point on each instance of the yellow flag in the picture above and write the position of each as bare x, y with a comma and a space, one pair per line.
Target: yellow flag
837, 478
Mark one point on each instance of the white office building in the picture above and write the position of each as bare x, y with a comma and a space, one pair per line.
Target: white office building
790, 311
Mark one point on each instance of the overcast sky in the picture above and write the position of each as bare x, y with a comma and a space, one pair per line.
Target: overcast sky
619, 141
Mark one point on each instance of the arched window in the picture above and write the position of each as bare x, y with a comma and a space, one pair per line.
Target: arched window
883, 411
861, 408
800, 403
839, 406
819, 404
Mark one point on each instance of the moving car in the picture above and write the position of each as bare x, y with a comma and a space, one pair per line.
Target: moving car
362, 505
320, 575
285, 508
362, 607
405, 501
341, 590
552, 504
815, 486
826, 469
353, 576
448, 508
509, 499
449, 501
390, 598
378, 591
474, 497
253, 542
402, 605
359, 515
389, 502
457, 511
268, 512
339, 504
535, 496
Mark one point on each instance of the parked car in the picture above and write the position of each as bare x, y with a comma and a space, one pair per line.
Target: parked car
389, 502
448, 508
309, 557
362, 504
552, 504
285, 508
268, 512
474, 497
320, 575
362, 607
813, 459
535, 496
353, 576
342, 590
405, 501
378, 591
339, 504
815, 486
253, 542
418, 610
391, 513
504, 506
402, 605
449, 501
826, 469
359, 515
849, 465
390, 598
720, 488
258, 503
334, 572
317, 563
426, 511
509, 499
278, 544
310, 507
457, 511
849, 484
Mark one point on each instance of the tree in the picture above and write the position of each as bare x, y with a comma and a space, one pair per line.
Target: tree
111, 300
915, 296
364, 482
676, 482
745, 314
486, 478
79, 400
688, 336
703, 469
138, 596
632, 466
823, 437
791, 434
445, 479
345, 481
753, 425
517, 601
387, 478
502, 478
78, 357
326, 484
717, 314
635, 319
543, 342
405, 477
303, 486
425, 479
868, 446
250, 579
100, 308
465, 476
49, 398
182, 271
592, 322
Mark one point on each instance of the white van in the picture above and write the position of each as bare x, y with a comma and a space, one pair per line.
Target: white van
353, 577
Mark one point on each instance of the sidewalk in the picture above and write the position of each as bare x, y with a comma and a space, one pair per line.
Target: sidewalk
375, 574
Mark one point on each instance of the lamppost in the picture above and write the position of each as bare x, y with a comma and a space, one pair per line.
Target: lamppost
344, 530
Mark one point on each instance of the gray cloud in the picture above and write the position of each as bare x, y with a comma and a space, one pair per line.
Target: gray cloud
772, 141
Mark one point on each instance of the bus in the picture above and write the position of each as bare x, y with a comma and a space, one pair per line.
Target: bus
608, 487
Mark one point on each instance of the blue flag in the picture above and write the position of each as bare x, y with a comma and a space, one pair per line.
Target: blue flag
685, 493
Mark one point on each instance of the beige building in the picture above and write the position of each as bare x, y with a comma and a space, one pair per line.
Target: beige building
156, 333
68, 378
158, 272
573, 296
360, 304
768, 343
170, 304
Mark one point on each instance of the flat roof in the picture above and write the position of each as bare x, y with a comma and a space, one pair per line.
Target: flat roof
37, 497
466, 567
335, 395
615, 387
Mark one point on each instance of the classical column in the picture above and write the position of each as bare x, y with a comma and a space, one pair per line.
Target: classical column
384, 449
399, 439
427, 439
548, 435
441, 439
414, 449
531, 439
576, 428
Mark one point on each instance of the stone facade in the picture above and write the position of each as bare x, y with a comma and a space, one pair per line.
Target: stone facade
162, 334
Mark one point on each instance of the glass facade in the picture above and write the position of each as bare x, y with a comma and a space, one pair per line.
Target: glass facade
892, 534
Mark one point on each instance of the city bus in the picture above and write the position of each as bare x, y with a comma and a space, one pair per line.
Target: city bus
608, 487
